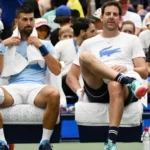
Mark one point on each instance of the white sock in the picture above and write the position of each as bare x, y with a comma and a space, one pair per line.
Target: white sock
46, 134
2, 137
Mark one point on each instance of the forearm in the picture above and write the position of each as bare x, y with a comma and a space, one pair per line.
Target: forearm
73, 83
142, 71
148, 68
1, 63
2, 51
53, 64
88, 7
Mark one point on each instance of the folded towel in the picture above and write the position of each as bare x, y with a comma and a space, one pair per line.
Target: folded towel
14, 63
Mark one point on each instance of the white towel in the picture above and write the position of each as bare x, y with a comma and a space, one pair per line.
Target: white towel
14, 63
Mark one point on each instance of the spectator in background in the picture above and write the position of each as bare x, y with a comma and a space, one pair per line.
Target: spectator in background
0, 12
44, 6
1, 29
42, 27
86, 6
51, 15
66, 50
144, 24
128, 27
145, 37
63, 18
139, 7
145, 41
65, 32
74, 15
8, 14
34, 5
75, 4
61, 2
130, 16
98, 23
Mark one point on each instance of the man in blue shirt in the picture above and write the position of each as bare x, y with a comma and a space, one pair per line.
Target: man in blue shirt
28, 85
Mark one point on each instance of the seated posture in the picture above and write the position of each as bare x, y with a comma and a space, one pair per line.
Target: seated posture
30, 58
112, 65
83, 29
128, 27
42, 27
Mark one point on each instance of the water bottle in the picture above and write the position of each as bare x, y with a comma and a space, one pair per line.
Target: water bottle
146, 139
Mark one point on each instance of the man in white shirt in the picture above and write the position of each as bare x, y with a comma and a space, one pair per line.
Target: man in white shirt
145, 36
144, 26
130, 16
108, 63
83, 29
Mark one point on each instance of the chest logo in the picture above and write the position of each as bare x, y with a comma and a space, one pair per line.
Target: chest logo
108, 51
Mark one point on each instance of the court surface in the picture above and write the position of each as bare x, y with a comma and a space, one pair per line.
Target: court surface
80, 146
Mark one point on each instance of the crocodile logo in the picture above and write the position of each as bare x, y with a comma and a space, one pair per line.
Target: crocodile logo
108, 51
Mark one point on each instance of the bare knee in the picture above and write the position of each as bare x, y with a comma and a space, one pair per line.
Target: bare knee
53, 97
115, 88
85, 57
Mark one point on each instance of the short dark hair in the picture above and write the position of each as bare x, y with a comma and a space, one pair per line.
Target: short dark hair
62, 19
74, 15
112, 3
24, 9
81, 24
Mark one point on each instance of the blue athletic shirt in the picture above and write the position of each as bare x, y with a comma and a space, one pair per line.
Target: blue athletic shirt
32, 73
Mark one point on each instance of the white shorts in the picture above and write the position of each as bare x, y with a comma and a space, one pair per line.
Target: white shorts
23, 93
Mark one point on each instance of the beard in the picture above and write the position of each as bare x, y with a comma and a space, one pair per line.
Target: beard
27, 31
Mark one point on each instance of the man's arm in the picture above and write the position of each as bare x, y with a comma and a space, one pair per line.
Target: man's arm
148, 67
1, 63
72, 79
3, 44
88, 2
52, 63
140, 67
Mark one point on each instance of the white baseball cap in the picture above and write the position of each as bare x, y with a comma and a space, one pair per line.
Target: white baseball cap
1, 25
97, 13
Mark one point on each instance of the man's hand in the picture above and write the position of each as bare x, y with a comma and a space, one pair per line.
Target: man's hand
80, 93
119, 68
34, 41
11, 41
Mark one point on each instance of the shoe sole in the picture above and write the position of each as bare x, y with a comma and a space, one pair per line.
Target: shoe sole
141, 92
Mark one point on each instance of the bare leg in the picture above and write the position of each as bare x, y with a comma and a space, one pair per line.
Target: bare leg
117, 94
8, 101
96, 67
49, 98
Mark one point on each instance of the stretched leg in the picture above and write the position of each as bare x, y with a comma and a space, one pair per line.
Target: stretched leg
48, 98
